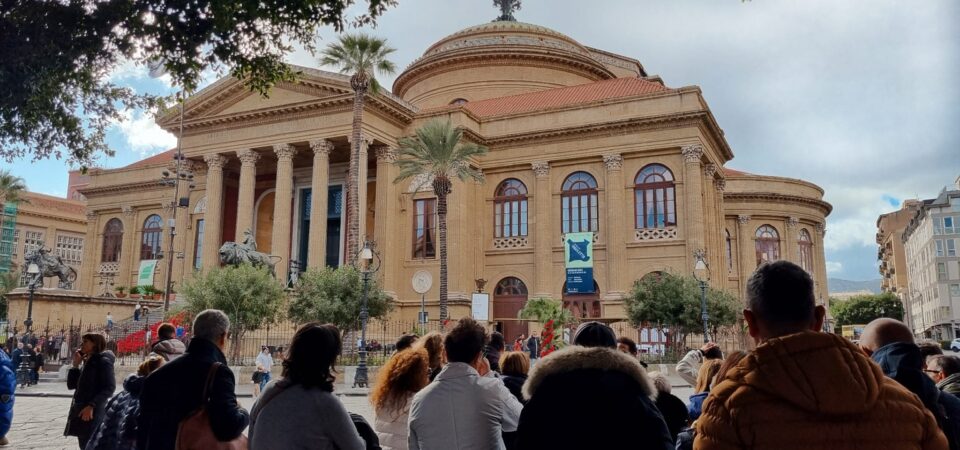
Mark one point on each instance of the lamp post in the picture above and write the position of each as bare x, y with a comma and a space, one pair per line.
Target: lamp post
33, 271
181, 173
701, 268
368, 262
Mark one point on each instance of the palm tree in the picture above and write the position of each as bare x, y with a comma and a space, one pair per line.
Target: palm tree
11, 188
436, 152
360, 56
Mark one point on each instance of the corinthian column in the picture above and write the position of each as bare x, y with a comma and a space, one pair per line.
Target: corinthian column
543, 250
792, 235
385, 210
748, 250
317, 244
282, 208
616, 240
248, 183
213, 218
693, 199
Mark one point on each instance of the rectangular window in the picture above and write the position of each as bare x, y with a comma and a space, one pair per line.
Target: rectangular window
424, 228
948, 225
955, 290
198, 246
70, 251
939, 244
941, 271
951, 247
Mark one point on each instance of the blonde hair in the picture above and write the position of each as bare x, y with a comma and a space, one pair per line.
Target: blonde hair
708, 370
515, 363
150, 364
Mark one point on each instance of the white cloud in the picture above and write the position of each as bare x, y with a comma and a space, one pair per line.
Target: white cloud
142, 134
834, 267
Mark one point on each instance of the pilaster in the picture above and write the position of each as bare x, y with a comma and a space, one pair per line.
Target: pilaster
385, 210
91, 263
693, 199
543, 250
748, 251
130, 240
616, 241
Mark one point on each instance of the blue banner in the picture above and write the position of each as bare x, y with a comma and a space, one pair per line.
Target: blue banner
580, 280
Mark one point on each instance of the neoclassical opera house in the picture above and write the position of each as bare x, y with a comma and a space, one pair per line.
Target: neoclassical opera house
580, 139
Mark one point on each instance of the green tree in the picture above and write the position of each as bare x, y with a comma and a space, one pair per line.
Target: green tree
673, 300
57, 57
437, 153
8, 282
862, 309
250, 296
11, 188
334, 295
553, 316
361, 56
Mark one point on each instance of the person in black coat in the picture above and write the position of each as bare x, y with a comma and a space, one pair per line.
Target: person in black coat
494, 349
174, 391
93, 384
673, 410
609, 391
118, 429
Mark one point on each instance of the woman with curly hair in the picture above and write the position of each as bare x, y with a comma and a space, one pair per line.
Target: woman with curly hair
402, 376
432, 342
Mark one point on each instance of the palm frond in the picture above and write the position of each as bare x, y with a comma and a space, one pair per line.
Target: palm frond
355, 53
437, 151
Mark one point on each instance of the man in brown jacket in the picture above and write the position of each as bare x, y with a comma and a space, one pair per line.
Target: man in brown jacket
803, 389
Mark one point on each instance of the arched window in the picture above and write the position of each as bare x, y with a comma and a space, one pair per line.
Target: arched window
579, 203
729, 243
112, 241
655, 203
152, 233
510, 209
510, 286
458, 101
768, 244
806, 250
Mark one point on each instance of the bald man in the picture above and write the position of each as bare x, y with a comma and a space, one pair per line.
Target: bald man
890, 344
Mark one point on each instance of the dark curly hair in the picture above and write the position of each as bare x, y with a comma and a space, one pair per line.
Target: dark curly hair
311, 356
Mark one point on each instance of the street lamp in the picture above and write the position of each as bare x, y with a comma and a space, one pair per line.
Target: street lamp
701, 272
33, 271
368, 262
181, 173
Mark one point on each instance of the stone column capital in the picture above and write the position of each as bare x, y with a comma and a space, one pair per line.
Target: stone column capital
248, 157
167, 208
613, 161
540, 168
92, 215
710, 169
720, 184
692, 153
321, 147
365, 142
792, 222
821, 229
215, 161
385, 154
127, 210
285, 152
743, 219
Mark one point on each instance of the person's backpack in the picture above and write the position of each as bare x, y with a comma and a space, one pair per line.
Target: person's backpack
195, 432
366, 432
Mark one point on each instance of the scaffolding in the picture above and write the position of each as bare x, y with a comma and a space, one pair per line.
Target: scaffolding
8, 224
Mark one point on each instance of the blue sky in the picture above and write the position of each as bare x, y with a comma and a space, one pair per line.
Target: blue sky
858, 96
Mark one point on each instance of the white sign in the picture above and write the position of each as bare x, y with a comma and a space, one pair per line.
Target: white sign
422, 281
481, 306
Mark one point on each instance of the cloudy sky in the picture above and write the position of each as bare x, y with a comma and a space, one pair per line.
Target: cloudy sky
860, 97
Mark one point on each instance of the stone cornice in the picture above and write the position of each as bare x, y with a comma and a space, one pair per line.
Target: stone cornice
51, 215
139, 185
514, 56
818, 204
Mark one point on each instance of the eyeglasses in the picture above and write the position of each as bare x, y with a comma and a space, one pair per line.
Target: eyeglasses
931, 371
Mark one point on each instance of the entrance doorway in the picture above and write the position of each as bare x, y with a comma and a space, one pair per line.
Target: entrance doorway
333, 218
509, 298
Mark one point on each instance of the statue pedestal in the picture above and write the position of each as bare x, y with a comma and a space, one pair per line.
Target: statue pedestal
56, 308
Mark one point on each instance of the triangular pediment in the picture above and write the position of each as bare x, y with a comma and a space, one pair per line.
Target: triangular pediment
228, 99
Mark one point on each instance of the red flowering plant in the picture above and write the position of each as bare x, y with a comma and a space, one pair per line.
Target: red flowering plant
554, 318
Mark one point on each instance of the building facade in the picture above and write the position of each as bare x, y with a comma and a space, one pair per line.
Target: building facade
932, 241
579, 139
892, 256
53, 223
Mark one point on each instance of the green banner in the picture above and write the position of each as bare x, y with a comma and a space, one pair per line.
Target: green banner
147, 268
578, 250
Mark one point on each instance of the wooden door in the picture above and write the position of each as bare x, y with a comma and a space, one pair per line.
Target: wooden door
509, 298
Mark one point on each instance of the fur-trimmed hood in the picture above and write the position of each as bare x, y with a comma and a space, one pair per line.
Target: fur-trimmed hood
575, 357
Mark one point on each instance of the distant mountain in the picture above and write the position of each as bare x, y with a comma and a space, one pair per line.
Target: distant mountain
835, 285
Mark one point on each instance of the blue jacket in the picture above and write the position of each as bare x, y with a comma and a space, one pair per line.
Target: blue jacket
696, 405
904, 363
118, 430
8, 385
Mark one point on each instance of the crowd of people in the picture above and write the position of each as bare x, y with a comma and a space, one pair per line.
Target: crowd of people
799, 388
